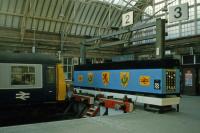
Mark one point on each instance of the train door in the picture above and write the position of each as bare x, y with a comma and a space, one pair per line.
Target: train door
189, 81
50, 83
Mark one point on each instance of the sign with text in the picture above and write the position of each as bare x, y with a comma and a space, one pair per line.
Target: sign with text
178, 12
127, 18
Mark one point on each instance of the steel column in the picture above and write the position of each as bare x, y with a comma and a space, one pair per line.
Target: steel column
83, 54
160, 38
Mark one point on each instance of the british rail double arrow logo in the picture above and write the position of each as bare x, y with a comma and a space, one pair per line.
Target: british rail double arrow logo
22, 95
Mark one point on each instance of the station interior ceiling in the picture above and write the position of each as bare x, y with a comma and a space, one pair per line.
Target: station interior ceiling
63, 25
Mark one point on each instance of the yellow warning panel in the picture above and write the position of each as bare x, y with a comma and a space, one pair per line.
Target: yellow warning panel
144, 80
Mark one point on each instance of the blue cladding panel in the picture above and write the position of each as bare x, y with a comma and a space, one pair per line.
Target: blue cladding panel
115, 82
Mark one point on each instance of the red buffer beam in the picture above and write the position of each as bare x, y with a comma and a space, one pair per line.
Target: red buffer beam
118, 104
83, 98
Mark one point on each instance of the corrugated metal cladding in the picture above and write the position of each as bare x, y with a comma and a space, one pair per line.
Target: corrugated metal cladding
75, 17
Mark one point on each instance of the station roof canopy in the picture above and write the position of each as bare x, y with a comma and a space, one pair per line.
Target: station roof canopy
74, 17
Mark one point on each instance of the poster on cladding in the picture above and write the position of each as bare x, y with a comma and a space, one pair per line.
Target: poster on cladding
188, 78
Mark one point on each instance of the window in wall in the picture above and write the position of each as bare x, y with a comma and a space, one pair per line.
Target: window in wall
134, 43
143, 33
188, 29
190, 2
68, 68
198, 27
136, 35
158, 9
173, 32
149, 41
191, 13
22, 75
149, 31
148, 10
198, 11
198, 1
172, 3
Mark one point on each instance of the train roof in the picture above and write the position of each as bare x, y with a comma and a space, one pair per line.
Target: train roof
137, 64
30, 58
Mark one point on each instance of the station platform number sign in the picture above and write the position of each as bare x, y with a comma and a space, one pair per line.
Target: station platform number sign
127, 19
178, 13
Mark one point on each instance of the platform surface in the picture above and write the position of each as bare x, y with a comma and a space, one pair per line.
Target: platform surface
139, 121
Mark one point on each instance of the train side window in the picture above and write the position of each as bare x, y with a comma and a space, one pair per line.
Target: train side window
22, 75
51, 75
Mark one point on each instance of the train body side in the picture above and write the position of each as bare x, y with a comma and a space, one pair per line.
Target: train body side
12, 89
30, 79
151, 80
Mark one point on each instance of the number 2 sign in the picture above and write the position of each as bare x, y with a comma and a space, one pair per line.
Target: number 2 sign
127, 18
178, 12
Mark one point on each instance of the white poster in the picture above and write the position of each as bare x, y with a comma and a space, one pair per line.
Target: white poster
188, 78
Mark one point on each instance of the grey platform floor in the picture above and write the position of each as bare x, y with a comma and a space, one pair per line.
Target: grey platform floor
140, 121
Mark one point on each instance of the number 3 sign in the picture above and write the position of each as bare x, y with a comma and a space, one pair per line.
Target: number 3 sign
127, 18
178, 12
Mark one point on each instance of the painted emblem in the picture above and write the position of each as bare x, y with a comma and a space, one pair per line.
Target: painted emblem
80, 78
144, 80
90, 77
124, 77
105, 78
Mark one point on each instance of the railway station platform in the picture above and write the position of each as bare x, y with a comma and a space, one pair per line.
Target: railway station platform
139, 121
